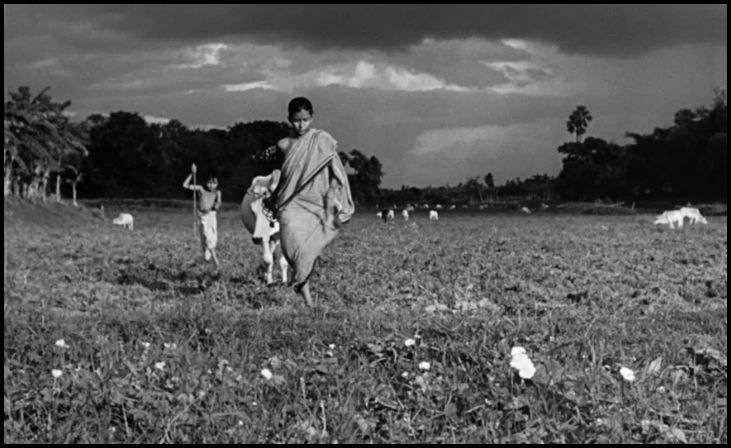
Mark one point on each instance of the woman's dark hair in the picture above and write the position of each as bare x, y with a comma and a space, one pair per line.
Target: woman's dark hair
298, 104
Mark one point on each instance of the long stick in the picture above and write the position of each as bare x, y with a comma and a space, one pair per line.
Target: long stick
195, 223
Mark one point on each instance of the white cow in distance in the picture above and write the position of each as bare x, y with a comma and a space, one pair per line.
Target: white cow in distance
671, 217
125, 220
694, 215
433, 215
379, 215
263, 229
405, 214
677, 217
390, 216
525, 210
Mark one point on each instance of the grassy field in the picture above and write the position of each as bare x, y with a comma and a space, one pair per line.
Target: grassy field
410, 340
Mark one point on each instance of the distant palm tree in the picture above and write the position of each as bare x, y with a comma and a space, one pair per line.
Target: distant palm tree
578, 121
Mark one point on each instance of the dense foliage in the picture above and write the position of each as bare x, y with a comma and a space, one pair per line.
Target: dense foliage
685, 160
39, 141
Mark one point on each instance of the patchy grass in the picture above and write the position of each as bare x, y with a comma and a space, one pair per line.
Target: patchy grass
159, 349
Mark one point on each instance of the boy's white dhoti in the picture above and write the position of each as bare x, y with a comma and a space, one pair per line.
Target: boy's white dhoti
208, 232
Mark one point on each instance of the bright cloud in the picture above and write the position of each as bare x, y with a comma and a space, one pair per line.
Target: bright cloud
202, 55
153, 119
360, 74
243, 87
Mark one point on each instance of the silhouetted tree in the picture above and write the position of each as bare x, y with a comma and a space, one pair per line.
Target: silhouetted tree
578, 122
39, 140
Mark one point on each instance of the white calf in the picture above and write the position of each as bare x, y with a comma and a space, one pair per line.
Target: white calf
405, 214
525, 210
433, 215
670, 218
390, 216
694, 215
379, 215
264, 230
125, 220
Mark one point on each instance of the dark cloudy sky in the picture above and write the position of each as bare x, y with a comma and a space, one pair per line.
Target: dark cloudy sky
437, 92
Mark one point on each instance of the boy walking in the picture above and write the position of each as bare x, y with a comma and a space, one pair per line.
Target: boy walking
209, 201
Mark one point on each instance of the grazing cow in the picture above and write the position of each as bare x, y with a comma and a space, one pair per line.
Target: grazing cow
379, 215
525, 210
390, 215
544, 206
125, 220
433, 215
694, 215
670, 218
405, 214
452, 207
264, 230
438, 207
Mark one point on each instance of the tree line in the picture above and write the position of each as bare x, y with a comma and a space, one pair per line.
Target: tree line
123, 156
683, 162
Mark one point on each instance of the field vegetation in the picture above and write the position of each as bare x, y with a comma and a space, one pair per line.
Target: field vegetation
118, 336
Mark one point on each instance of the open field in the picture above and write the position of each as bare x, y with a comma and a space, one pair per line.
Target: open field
158, 349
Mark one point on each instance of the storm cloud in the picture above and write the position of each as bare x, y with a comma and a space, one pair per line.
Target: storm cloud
437, 92
599, 30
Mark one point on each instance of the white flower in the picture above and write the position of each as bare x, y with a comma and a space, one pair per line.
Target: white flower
409, 342
424, 365
146, 345
519, 360
266, 373
160, 365
56, 373
170, 346
627, 374
332, 346
61, 343
405, 375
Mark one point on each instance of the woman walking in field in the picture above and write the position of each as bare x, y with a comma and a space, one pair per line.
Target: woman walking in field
313, 196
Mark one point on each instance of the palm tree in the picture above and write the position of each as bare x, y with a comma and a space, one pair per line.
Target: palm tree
73, 177
38, 140
578, 121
